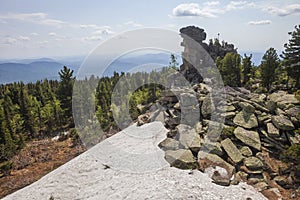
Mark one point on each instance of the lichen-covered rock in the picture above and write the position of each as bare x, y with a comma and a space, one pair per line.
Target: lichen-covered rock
247, 107
181, 158
272, 130
212, 147
253, 163
169, 144
246, 151
250, 138
283, 123
232, 151
246, 120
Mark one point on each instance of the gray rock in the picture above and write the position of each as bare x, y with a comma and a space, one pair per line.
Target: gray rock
250, 138
207, 106
169, 144
293, 112
246, 151
271, 105
246, 120
282, 123
272, 130
188, 99
253, 163
213, 148
190, 115
247, 107
228, 115
188, 137
232, 151
181, 158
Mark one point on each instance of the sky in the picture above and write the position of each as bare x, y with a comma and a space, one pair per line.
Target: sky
56, 28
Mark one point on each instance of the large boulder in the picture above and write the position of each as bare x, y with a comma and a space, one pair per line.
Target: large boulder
283, 123
250, 138
181, 158
246, 120
232, 151
189, 138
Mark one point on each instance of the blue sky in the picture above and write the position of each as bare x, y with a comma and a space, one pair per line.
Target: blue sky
56, 28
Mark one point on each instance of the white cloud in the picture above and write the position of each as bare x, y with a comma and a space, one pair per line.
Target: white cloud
238, 5
86, 26
285, 11
52, 34
260, 22
212, 3
38, 18
9, 41
194, 10
23, 38
34, 34
92, 26
133, 23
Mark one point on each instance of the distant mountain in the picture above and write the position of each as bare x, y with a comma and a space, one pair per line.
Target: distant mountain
31, 70
37, 70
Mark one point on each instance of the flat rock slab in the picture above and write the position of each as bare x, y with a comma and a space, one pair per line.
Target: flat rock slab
148, 177
232, 151
283, 123
250, 138
246, 120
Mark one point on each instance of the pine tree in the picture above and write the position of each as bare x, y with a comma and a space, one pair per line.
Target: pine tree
247, 66
269, 65
65, 92
231, 69
291, 56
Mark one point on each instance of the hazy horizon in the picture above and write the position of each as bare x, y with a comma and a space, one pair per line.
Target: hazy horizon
55, 29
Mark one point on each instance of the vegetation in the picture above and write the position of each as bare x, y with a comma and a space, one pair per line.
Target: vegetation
230, 69
291, 58
269, 65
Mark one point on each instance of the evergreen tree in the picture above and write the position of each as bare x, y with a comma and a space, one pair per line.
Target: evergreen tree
269, 65
247, 66
65, 91
231, 69
291, 56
